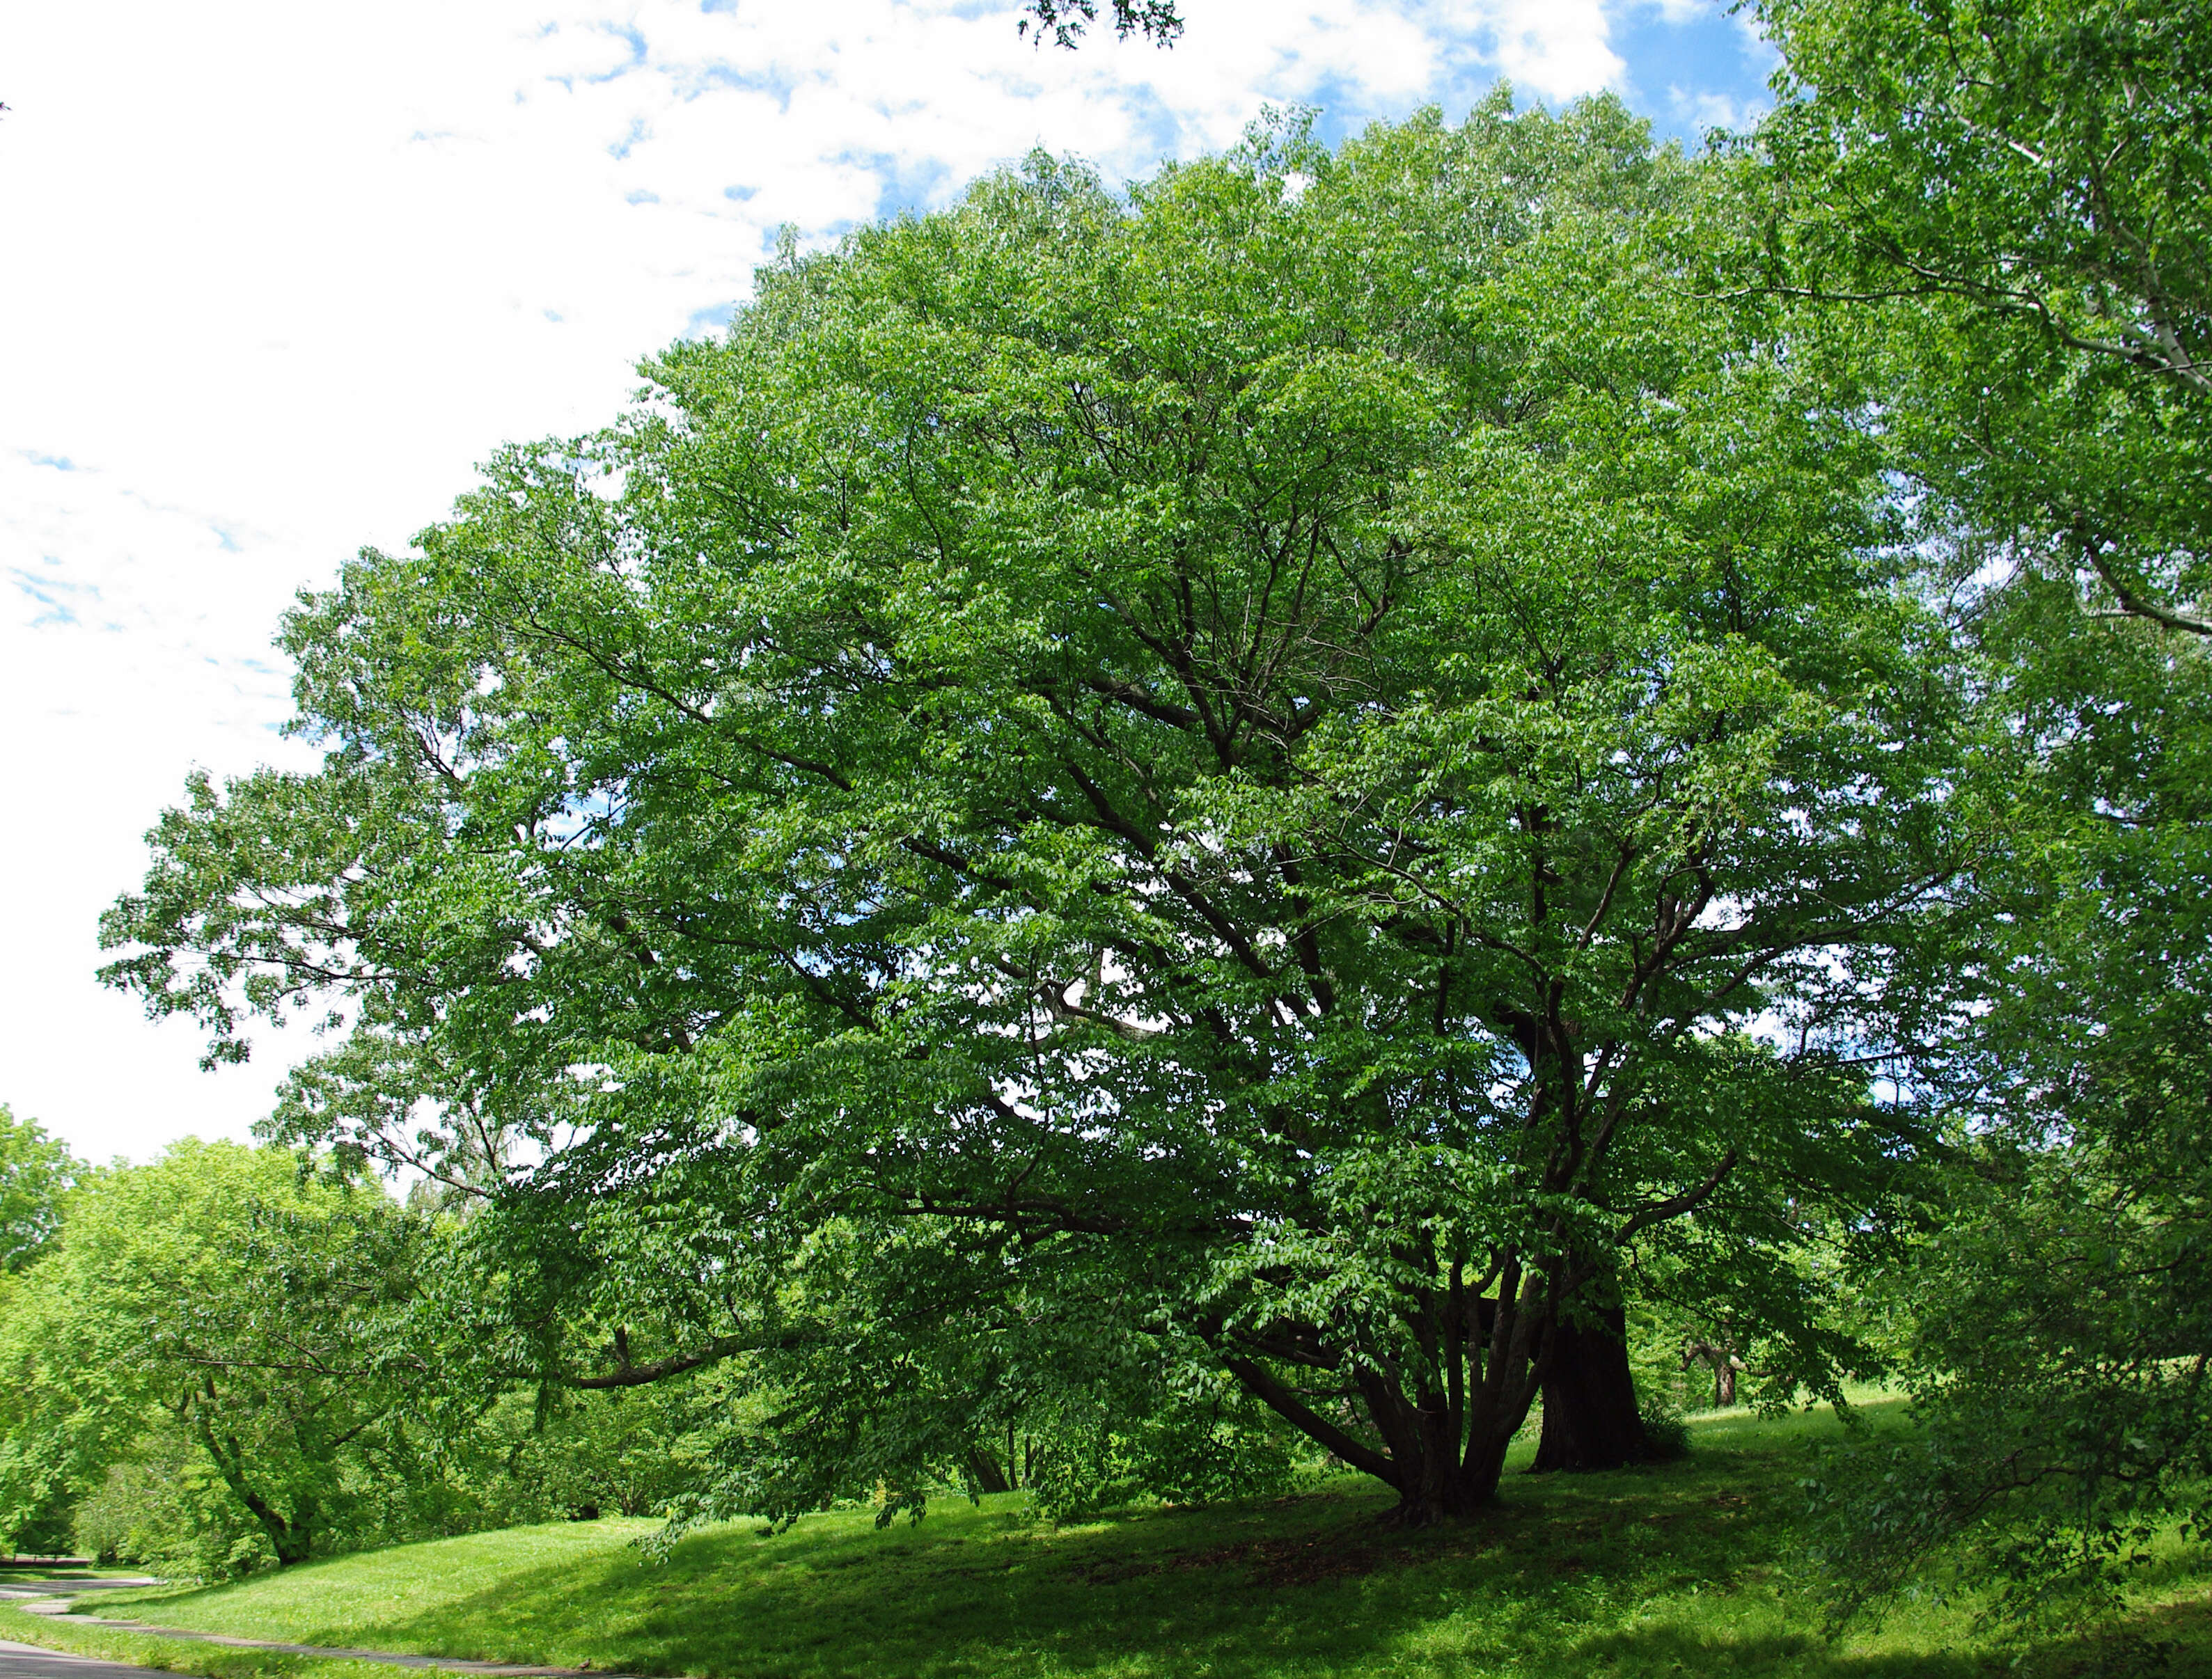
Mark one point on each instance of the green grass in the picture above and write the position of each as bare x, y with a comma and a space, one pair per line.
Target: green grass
115, 1645
1681, 1569
175, 1655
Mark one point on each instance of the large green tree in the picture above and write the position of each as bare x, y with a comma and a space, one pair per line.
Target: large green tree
1286, 775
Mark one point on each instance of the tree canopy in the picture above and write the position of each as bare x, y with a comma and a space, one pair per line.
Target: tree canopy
220, 1300
36, 1172
1296, 772
2008, 204
2018, 189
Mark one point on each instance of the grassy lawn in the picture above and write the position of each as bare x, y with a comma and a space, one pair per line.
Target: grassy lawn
209, 1661
1681, 1569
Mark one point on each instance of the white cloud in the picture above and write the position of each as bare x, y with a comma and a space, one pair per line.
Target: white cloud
1706, 110
278, 274
1556, 47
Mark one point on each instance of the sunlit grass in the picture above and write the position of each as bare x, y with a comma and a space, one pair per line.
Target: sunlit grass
174, 1655
1682, 1568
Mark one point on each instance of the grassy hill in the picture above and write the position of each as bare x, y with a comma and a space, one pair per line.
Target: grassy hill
1655, 1571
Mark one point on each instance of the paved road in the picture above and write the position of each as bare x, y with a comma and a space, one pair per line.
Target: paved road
64, 1585
345, 1653
28, 1661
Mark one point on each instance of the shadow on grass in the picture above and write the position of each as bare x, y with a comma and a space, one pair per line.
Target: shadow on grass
1670, 1570
1550, 1580
2144, 1647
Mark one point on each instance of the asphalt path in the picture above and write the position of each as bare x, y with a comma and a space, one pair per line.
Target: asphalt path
30, 1661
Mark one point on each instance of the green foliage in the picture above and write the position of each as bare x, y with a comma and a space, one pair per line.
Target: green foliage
231, 1361
2010, 201
2055, 1321
1201, 1446
638, 1453
2020, 187
1644, 1572
166, 1509
1110, 794
2057, 1364
36, 1172
225, 1308
1666, 1430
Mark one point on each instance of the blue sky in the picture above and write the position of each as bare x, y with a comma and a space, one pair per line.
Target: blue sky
279, 274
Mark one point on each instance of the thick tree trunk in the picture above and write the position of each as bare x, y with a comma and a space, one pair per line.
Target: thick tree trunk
1590, 1417
1444, 1486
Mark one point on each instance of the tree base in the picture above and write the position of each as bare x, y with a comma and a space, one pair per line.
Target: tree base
1591, 1421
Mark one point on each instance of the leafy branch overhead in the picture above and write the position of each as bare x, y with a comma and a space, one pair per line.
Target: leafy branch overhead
2027, 180
1065, 21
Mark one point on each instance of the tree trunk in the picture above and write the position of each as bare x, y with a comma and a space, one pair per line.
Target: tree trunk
292, 1538
1442, 1447
989, 1478
1724, 1362
1590, 1418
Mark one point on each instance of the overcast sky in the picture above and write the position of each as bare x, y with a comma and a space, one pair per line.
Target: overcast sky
274, 275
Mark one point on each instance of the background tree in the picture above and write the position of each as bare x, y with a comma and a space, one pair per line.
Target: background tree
2007, 204
219, 1307
36, 1172
2019, 189
1231, 774
2057, 1344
